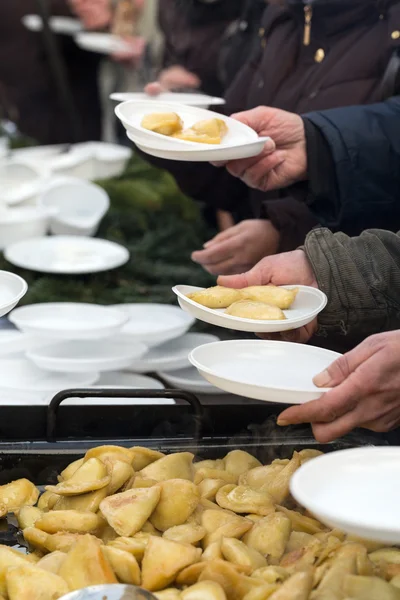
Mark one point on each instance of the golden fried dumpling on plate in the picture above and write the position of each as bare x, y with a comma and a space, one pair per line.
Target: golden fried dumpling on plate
163, 123
270, 294
215, 297
190, 135
211, 127
258, 311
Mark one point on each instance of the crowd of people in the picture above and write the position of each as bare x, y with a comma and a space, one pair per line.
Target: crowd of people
320, 205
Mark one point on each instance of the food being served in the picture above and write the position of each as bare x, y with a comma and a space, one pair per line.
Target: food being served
163, 123
209, 131
223, 529
260, 303
216, 297
259, 311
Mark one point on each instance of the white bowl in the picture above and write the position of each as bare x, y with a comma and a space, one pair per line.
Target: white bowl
12, 289
68, 320
80, 207
84, 356
356, 491
23, 223
153, 324
20, 182
263, 370
308, 303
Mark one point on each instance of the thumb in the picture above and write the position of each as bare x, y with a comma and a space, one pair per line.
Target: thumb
258, 275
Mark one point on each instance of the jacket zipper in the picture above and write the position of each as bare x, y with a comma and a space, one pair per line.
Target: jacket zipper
308, 14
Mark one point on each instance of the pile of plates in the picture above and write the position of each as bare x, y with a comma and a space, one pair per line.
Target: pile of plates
58, 346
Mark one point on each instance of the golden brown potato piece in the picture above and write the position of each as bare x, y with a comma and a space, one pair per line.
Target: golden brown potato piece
68, 520
163, 123
16, 494
178, 500
204, 590
52, 562
128, 511
173, 466
238, 553
190, 135
89, 477
29, 582
28, 515
297, 587
124, 565
238, 462
9, 558
162, 561
216, 297
258, 311
185, 534
269, 536
243, 499
369, 588
143, 457
86, 565
270, 294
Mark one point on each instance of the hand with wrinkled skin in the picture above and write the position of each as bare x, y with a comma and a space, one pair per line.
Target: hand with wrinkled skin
366, 391
94, 14
238, 248
281, 163
288, 268
173, 78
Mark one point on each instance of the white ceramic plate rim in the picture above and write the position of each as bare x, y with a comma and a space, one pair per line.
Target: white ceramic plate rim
200, 367
331, 457
21, 294
233, 319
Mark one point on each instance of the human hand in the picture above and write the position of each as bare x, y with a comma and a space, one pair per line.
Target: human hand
366, 391
178, 77
134, 53
280, 164
94, 14
288, 268
238, 248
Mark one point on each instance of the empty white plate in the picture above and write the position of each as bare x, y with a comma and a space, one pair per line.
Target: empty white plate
172, 355
12, 289
199, 100
119, 379
84, 356
101, 43
308, 304
13, 341
62, 25
153, 324
264, 370
21, 375
67, 255
189, 380
356, 491
68, 320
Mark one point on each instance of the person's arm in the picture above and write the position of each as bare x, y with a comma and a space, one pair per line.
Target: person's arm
361, 278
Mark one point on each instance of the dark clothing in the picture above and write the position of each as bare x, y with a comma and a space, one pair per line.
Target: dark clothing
193, 32
28, 89
350, 48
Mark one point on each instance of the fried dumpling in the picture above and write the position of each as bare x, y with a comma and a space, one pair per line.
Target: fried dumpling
258, 311
163, 123
190, 135
216, 297
270, 294
211, 127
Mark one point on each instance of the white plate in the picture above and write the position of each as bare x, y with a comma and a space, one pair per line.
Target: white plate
264, 370
120, 379
308, 304
84, 356
189, 380
13, 341
68, 320
240, 142
21, 375
12, 289
153, 324
198, 100
172, 355
356, 491
20, 182
67, 255
101, 43
62, 25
